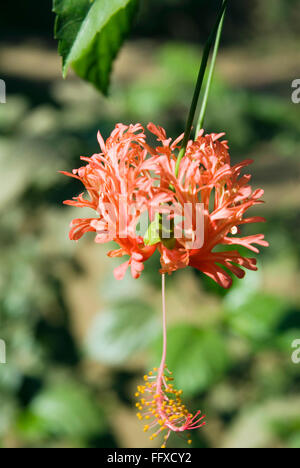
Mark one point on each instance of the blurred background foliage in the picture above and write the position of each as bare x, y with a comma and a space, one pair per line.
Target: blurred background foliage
78, 341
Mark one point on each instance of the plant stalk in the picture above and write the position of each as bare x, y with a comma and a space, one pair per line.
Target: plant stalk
210, 76
200, 79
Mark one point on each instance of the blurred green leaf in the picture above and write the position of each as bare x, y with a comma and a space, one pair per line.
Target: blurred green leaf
294, 441
13, 112
126, 290
181, 61
147, 99
90, 34
197, 357
64, 409
284, 341
120, 331
10, 378
262, 426
256, 316
8, 413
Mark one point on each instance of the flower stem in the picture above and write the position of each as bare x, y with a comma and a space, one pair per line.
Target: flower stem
164, 353
210, 75
200, 79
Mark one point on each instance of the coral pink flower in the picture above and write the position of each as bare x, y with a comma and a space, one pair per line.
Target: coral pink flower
119, 190
129, 178
206, 176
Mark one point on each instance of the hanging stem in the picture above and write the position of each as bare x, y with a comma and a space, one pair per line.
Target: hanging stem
210, 75
198, 88
164, 353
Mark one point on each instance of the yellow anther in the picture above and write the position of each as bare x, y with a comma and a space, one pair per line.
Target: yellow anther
146, 428
163, 446
147, 417
145, 377
150, 373
190, 441
137, 394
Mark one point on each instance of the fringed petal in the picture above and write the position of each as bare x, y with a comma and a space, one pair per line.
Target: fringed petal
79, 227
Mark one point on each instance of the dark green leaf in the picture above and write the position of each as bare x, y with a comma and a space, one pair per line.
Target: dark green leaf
65, 409
90, 34
255, 316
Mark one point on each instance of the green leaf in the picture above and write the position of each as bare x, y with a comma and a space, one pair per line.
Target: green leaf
256, 316
64, 409
197, 358
90, 34
158, 232
259, 426
120, 331
152, 235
